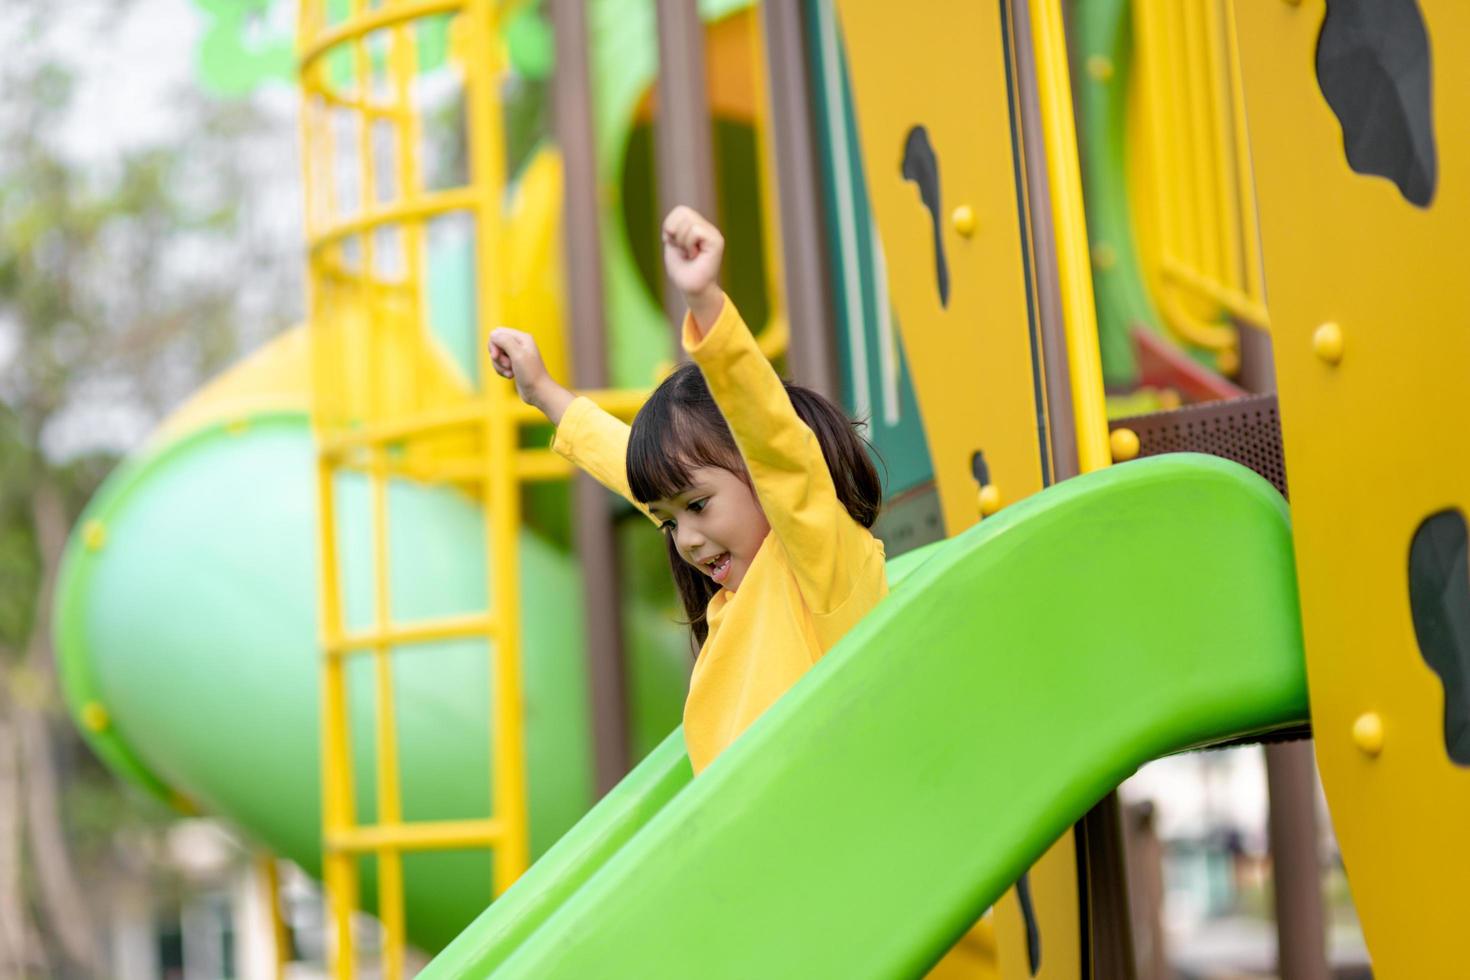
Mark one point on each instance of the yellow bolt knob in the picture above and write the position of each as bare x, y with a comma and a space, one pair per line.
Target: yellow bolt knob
1328, 343
989, 500
1227, 361
1124, 444
183, 804
963, 220
95, 717
94, 535
1368, 733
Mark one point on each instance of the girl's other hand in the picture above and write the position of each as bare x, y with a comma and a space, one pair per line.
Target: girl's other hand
693, 249
514, 355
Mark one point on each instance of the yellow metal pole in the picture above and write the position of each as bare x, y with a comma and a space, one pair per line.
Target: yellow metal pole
1073, 266
1202, 153
390, 862
1226, 182
270, 878
1148, 48
404, 66
1160, 42
1250, 232
367, 204
776, 337
339, 869
502, 489
1176, 142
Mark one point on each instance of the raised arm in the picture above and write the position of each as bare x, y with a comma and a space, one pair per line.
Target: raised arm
826, 548
585, 434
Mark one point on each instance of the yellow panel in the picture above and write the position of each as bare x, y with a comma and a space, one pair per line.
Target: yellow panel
1373, 445
971, 362
1054, 901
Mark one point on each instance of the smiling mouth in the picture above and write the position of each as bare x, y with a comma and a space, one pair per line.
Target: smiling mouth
717, 567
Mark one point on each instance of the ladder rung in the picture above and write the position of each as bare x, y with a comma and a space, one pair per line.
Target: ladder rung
402, 429
453, 628
442, 835
616, 401
419, 208
541, 464
532, 466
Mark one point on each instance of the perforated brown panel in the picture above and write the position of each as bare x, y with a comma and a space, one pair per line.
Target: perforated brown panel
1247, 430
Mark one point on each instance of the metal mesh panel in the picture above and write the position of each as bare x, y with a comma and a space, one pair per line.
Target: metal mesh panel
1247, 430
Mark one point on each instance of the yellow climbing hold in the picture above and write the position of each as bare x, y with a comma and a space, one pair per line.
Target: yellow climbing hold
989, 499
963, 220
94, 535
95, 717
1227, 361
1100, 67
1327, 342
1124, 444
1368, 733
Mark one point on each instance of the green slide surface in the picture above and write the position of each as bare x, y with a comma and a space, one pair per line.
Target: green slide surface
1017, 673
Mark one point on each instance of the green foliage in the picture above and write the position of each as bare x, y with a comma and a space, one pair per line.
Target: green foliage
127, 278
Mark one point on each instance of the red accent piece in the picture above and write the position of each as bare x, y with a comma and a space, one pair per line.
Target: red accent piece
1162, 365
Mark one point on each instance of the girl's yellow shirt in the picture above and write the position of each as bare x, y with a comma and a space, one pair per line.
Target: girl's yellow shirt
816, 574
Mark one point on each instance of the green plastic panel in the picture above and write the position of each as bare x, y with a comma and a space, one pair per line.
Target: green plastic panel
1019, 672
195, 626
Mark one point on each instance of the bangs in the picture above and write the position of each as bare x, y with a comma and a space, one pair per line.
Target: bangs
677, 431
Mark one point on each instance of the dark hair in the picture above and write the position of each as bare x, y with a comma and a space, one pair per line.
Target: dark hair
680, 429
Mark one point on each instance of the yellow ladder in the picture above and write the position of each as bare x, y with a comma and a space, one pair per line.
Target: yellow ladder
1201, 205
387, 405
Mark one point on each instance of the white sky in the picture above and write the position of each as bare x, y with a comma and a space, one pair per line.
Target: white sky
126, 91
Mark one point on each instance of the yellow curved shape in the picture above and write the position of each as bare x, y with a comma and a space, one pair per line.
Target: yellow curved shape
535, 290
1188, 327
277, 377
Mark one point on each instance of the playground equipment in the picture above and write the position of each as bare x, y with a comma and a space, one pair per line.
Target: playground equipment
1010, 682
869, 817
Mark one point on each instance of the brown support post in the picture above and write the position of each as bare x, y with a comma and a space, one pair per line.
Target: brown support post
596, 544
1055, 370
1301, 941
811, 356
686, 166
1102, 870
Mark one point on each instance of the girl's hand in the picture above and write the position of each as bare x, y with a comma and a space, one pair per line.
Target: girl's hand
514, 355
693, 248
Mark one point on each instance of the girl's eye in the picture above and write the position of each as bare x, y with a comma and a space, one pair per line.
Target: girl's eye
698, 506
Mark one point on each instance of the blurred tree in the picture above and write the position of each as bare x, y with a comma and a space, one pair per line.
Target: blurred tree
124, 283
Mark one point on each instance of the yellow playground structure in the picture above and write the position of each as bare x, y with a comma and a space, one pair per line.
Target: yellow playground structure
1082, 267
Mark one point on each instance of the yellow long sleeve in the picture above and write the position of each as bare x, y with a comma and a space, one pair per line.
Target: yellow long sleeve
598, 443
825, 546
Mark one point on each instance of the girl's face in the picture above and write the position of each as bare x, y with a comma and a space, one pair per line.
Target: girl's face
716, 523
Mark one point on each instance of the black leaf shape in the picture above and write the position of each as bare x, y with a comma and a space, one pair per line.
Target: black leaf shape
1373, 67
1439, 600
921, 166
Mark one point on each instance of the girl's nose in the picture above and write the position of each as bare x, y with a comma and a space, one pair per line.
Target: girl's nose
687, 538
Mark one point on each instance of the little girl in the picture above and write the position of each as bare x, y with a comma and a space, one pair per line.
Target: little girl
764, 490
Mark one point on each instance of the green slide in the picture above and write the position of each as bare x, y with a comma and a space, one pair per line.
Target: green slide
1017, 673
